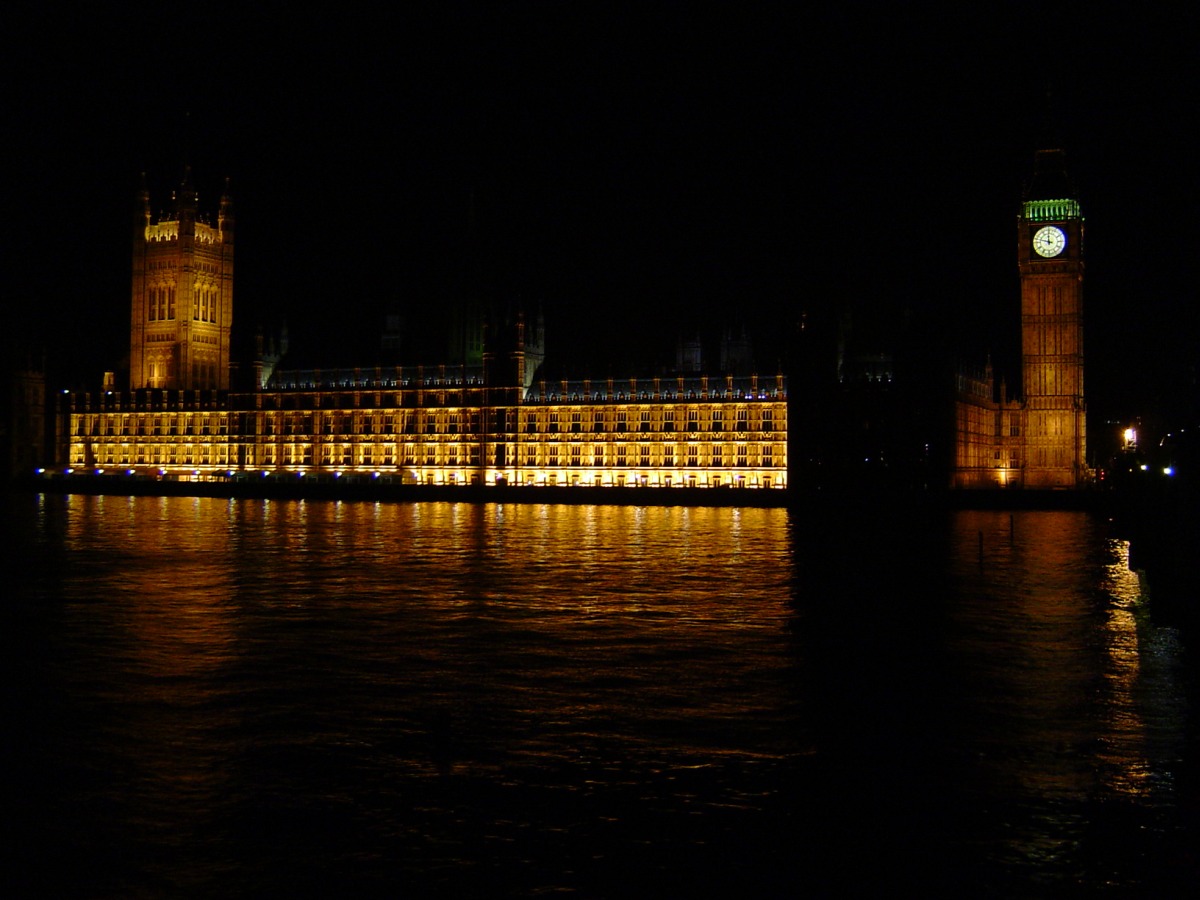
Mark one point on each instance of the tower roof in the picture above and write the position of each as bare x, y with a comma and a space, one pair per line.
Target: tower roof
1050, 180
1050, 195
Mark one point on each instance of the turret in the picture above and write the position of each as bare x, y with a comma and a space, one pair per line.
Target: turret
141, 213
225, 216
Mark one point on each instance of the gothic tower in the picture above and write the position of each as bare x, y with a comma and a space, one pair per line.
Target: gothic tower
182, 298
1050, 260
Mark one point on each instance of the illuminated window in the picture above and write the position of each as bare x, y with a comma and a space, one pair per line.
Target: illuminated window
743, 419
693, 420
693, 455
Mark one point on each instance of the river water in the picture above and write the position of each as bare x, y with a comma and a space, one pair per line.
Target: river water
261, 698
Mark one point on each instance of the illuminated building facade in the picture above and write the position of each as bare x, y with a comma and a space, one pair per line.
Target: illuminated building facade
1039, 441
1050, 251
182, 297
438, 428
485, 424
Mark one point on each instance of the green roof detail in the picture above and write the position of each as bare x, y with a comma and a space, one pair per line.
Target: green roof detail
1050, 210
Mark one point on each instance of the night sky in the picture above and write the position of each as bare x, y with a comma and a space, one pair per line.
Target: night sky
638, 172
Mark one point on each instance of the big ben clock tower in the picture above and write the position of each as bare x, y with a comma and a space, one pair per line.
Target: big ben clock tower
1050, 259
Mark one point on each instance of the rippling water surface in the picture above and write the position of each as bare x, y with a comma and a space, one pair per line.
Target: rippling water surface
249, 698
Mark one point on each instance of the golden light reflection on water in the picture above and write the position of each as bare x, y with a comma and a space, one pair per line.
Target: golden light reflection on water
398, 674
1067, 660
575, 592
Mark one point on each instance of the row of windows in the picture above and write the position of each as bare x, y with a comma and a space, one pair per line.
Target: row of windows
157, 425
425, 422
152, 455
453, 422
204, 375
717, 419
430, 456
204, 303
1058, 300
661, 456
161, 303
536, 455
1053, 379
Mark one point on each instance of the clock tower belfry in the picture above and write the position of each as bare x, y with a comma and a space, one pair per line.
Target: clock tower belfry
1050, 261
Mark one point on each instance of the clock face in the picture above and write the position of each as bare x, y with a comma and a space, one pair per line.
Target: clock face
1049, 241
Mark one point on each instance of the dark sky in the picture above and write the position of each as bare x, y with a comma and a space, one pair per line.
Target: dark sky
637, 171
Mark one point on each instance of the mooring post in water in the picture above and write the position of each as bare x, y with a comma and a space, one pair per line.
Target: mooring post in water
981, 548
1011, 528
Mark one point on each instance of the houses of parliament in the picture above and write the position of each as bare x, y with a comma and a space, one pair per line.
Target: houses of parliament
490, 419
485, 422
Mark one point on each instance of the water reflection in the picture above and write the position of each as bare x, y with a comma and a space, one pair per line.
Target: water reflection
257, 697
1075, 712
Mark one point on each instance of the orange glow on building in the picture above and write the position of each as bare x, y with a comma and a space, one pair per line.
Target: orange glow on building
439, 430
1040, 440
